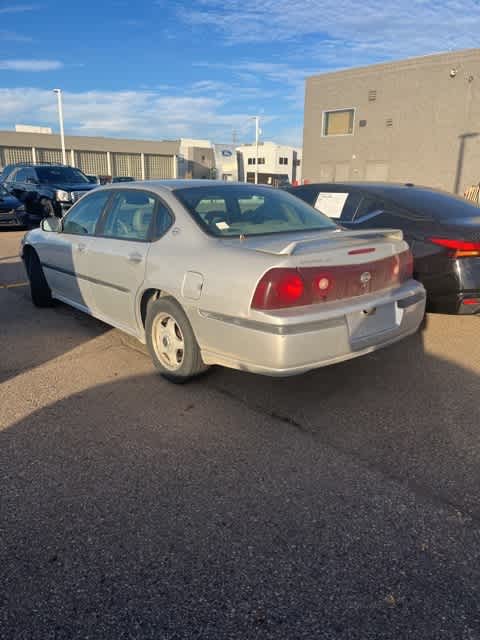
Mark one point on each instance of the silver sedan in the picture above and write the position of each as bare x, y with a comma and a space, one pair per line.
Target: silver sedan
240, 275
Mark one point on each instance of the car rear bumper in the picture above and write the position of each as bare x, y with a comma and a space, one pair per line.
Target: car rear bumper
451, 289
291, 347
463, 303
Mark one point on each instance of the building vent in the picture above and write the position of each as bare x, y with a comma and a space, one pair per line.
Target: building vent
372, 95
362, 123
389, 122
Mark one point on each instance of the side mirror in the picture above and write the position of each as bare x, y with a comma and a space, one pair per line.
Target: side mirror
51, 224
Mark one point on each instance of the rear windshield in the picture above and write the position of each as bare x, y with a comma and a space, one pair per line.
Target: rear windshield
250, 210
61, 174
435, 204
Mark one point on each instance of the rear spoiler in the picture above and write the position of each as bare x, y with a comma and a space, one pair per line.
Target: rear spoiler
343, 239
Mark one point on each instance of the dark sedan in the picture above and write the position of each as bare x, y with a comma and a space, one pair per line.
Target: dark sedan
443, 232
12, 211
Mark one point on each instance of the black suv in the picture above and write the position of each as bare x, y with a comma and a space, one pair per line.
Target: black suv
47, 189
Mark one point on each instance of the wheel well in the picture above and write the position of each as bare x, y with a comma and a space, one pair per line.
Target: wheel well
28, 252
149, 294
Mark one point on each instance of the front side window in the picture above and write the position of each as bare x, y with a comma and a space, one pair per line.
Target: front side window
250, 210
83, 217
130, 216
338, 123
68, 175
30, 175
19, 176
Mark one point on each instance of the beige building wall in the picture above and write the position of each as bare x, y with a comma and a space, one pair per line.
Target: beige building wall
415, 121
141, 159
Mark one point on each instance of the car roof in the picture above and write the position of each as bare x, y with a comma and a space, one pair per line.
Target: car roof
414, 197
192, 183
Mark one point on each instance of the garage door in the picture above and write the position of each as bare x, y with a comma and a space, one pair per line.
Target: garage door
157, 166
92, 163
10, 155
127, 164
49, 155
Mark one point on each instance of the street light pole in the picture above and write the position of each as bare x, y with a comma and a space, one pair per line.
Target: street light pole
60, 118
257, 133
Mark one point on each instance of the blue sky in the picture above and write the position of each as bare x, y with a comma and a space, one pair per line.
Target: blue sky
164, 69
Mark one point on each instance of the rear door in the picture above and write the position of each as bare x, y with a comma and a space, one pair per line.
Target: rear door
117, 255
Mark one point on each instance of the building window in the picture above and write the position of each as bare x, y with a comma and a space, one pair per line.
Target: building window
283, 160
251, 161
261, 161
297, 163
338, 123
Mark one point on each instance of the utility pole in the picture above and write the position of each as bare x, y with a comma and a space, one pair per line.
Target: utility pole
60, 118
257, 134
234, 136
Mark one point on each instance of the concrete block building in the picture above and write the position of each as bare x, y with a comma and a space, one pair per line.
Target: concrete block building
416, 121
141, 159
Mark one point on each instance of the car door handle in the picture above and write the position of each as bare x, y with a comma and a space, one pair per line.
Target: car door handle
135, 257
81, 248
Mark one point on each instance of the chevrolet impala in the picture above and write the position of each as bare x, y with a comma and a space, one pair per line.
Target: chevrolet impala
239, 275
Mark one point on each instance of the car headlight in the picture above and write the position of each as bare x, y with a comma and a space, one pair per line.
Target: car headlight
62, 196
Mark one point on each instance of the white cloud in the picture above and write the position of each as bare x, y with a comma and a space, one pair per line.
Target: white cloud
30, 65
347, 32
144, 114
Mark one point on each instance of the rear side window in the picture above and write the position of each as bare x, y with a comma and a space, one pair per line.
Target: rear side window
368, 206
130, 216
351, 206
331, 203
83, 217
162, 221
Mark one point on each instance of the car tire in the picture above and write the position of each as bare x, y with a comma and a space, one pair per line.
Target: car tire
47, 207
40, 291
171, 341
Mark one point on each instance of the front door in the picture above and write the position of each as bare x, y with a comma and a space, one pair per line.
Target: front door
65, 255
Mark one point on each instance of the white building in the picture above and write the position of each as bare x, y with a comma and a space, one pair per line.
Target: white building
276, 163
226, 163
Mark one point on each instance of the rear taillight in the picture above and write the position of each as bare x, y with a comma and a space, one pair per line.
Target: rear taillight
458, 248
283, 288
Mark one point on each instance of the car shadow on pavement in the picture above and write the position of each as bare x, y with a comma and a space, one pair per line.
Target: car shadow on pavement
57, 330
139, 509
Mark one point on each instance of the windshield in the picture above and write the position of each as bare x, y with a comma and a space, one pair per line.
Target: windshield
61, 174
250, 210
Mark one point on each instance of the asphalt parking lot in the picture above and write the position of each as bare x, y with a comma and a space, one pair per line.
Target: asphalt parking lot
344, 503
